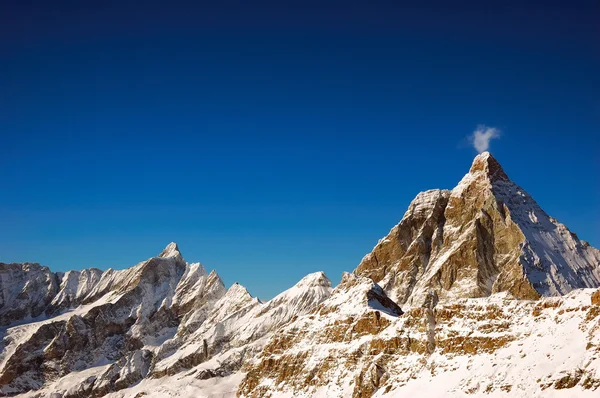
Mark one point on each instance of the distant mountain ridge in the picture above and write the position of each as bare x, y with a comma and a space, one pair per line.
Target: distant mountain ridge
154, 319
476, 291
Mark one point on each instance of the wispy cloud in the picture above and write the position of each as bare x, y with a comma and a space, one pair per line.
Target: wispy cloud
482, 136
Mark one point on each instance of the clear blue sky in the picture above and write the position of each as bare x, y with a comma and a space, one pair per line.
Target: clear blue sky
271, 140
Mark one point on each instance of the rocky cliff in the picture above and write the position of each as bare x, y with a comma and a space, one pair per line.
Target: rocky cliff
492, 346
486, 235
90, 333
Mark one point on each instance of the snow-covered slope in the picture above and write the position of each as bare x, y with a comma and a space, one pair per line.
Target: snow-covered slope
26, 290
240, 322
89, 333
494, 346
74, 287
124, 312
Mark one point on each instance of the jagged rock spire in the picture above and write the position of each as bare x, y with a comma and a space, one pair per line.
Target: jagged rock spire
172, 250
485, 236
488, 165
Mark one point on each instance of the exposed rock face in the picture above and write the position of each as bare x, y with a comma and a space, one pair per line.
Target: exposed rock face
357, 309
26, 290
401, 258
161, 317
596, 298
238, 322
495, 345
74, 287
487, 235
127, 316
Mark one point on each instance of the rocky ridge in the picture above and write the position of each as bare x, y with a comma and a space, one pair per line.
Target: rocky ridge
106, 331
487, 235
493, 346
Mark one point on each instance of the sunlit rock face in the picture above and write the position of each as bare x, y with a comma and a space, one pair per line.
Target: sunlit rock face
312, 351
107, 331
491, 346
94, 320
26, 291
487, 235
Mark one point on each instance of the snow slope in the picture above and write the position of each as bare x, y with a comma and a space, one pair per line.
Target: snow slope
164, 317
495, 346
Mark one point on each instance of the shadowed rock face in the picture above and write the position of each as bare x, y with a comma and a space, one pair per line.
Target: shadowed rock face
26, 290
401, 258
129, 314
487, 235
128, 309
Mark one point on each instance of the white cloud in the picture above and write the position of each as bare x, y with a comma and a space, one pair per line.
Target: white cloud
482, 136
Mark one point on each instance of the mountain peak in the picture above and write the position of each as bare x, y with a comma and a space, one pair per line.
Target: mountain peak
237, 290
172, 250
315, 279
488, 165
487, 236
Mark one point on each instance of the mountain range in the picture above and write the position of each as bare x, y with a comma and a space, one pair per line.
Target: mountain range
475, 292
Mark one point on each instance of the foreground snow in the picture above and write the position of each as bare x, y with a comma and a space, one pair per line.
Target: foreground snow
495, 346
552, 350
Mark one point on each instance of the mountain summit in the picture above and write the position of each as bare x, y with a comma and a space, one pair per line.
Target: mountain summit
486, 235
488, 165
172, 250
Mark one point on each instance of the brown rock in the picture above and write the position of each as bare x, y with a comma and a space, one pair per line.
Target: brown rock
476, 240
596, 297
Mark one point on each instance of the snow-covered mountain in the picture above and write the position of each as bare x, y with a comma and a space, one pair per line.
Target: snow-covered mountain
477, 291
486, 235
90, 333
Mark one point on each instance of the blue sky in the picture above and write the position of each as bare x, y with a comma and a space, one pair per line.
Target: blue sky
278, 139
